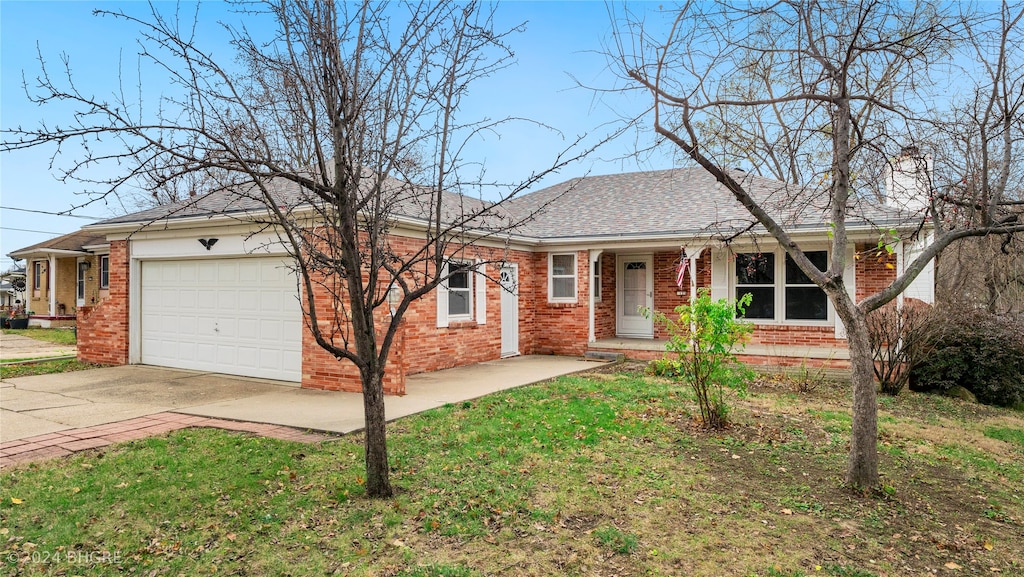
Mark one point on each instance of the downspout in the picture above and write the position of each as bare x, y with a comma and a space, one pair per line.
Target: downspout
595, 256
51, 283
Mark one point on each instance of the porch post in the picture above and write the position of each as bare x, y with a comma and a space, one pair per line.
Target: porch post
595, 256
694, 257
51, 283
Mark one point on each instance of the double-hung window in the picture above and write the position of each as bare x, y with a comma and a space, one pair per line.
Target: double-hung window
562, 277
779, 289
460, 291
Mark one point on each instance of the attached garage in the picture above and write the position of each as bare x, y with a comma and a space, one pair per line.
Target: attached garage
239, 316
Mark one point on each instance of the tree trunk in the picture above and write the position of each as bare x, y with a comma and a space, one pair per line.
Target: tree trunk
863, 466
378, 483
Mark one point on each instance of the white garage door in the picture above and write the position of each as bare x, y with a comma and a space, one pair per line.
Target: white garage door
237, 316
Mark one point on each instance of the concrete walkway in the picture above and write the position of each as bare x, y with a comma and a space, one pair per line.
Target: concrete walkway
115, 401
19, 347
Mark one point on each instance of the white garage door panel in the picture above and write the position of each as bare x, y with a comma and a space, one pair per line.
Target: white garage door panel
234, 316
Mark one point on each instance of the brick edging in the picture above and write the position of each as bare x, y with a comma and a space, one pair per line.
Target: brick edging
67, 442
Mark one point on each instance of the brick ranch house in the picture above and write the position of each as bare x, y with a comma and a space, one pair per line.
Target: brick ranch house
577, 273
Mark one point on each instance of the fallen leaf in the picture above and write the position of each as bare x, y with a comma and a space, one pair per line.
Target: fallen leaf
735, 456
231, 536
988, 545
787, 511
952, 565
76, 490
16, 501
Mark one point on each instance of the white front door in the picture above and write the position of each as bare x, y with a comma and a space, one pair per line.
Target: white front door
635, 289
509, 310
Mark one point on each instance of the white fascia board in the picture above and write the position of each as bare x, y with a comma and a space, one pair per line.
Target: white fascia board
47, 252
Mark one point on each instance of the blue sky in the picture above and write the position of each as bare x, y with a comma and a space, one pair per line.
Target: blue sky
561, 38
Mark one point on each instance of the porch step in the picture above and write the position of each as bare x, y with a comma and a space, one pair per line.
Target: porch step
605, 356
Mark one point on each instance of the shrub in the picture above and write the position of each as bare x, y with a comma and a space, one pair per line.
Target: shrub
896, 337
702, 339
976, 350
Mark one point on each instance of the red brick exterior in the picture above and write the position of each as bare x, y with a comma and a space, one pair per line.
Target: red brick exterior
873, 273
561, 328
420, 345
604, 310
103, 328
544, 327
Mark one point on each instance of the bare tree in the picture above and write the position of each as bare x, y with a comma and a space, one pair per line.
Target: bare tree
339, 127
824, 97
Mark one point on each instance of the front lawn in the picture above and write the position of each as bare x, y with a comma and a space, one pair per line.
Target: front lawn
56, 336
601, 474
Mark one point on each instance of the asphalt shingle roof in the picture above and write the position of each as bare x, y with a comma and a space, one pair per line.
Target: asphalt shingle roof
684, 201
72, 241
681, 201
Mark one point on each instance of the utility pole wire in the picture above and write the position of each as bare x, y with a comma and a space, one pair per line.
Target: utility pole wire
53, 213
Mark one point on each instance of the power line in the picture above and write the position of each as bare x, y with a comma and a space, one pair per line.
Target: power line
52, 213
26, 230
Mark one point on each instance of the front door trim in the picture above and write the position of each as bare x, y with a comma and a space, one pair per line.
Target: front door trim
630, 323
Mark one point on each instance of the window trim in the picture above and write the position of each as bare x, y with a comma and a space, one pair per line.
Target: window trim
787, 285
596, 279
779, 287
37, 276
104, 272
81, 272
470, 298
574, 276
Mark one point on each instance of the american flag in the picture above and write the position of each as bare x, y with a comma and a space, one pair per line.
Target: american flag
681, 273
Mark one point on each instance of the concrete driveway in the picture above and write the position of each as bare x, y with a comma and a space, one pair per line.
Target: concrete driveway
31, 406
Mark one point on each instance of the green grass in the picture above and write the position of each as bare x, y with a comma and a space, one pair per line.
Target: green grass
1012, 436
578, 476
43, 368
56, 336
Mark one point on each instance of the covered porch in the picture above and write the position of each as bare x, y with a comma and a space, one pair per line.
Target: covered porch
628, 279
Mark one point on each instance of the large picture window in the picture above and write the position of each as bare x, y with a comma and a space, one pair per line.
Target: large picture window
562, 274
777, 285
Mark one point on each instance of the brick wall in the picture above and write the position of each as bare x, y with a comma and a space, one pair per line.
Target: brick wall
872, 273
103, 328
561, 328
422, 346
604, 311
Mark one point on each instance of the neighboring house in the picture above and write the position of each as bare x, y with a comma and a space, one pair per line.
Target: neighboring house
12, 290
62, 275
578, 272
